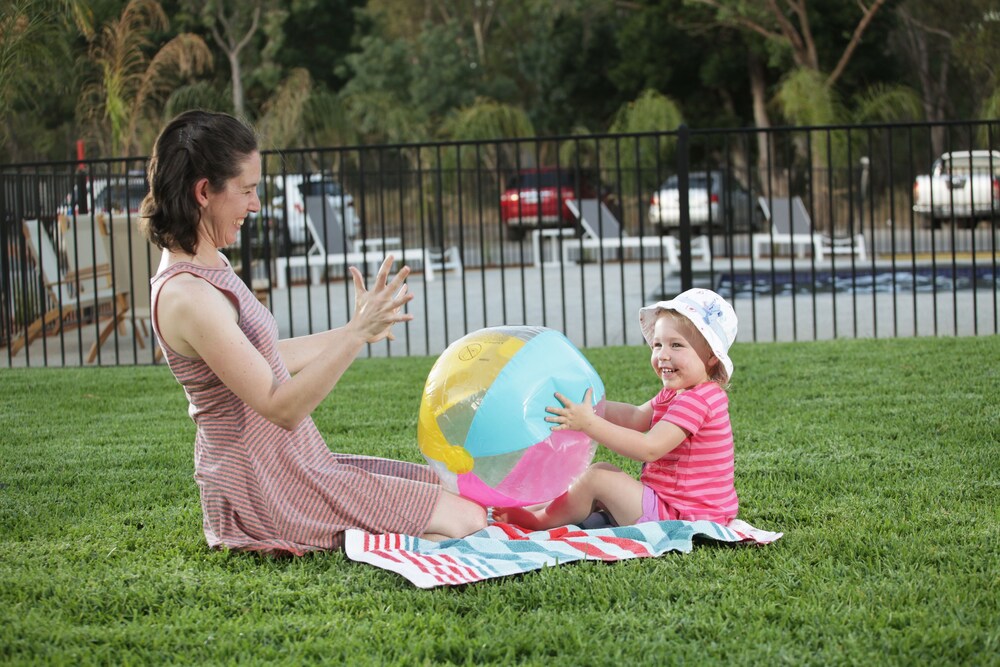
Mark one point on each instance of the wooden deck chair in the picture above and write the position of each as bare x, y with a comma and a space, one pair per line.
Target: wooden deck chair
792, 226
84, 284
133, 260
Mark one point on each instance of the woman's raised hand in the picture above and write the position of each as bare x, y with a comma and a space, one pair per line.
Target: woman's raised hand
377, 309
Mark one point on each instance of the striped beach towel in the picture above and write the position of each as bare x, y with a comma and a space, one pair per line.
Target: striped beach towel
504, 549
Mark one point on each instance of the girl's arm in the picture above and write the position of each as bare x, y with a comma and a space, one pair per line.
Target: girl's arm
635, 417
635, 444
198, 320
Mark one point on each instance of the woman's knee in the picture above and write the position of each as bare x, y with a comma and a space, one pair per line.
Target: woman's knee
455, 516
473, 519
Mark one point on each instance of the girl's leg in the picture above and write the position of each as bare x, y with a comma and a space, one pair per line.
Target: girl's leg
603, 484
453, 517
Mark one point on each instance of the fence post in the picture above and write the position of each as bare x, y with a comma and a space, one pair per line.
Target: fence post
683, 169
6, 281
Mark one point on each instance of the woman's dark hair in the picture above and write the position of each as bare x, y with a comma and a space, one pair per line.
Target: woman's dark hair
194, 145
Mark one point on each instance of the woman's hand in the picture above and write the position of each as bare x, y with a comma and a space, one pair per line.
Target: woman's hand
572, 416
376, 310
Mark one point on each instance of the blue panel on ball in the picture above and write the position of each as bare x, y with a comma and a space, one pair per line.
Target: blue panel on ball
512, 414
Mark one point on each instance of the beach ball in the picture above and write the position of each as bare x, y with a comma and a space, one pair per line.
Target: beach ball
482, 421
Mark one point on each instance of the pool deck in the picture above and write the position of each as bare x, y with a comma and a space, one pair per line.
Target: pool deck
596, 304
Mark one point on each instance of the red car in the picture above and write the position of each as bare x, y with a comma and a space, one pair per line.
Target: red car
536, 198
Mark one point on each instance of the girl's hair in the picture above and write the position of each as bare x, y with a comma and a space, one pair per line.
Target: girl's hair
718, 373
193, 146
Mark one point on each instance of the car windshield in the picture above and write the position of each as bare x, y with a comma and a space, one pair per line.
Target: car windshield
981, 164
121, 197
542, 179
321, 188
697, 180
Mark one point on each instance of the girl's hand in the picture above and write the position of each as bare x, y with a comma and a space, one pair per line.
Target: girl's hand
376, 310
572, 416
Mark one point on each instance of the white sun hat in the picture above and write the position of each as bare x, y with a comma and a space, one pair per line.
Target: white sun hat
711, 315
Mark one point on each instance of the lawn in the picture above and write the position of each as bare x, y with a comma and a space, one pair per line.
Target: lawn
879, 460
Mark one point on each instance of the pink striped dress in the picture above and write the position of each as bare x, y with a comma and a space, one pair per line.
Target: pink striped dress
696, 479
282, 492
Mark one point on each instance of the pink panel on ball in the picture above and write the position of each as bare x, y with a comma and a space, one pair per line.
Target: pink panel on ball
473, 488
547, 469
542, 474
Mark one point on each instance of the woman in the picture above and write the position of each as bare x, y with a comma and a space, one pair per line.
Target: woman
268, 481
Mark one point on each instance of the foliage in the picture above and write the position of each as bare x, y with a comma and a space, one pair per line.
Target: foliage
128, 83
32, 54
488, 119
281, 124
375, 96
805, 99
397, 71
651, 112
882, 475
885, 103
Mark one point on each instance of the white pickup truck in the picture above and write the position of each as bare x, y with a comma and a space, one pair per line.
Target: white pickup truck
963, 186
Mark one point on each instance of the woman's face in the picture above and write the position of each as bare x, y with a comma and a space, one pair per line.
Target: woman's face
226, 209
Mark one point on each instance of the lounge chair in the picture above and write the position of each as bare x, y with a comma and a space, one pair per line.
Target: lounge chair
133, 260
85, 284
332, 249
792, 226
602, 232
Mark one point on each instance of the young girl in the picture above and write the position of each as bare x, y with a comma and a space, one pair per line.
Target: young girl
683, 435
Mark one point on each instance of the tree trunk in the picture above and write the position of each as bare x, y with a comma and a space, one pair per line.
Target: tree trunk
758, 91
237, 79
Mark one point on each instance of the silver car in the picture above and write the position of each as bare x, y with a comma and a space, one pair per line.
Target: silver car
715, 200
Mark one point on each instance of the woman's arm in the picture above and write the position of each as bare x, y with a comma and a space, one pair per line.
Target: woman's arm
198, 320
636, 444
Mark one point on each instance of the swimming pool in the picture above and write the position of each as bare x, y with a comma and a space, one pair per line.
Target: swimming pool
861, 281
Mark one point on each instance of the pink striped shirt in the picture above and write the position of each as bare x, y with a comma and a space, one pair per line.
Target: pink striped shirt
696, 480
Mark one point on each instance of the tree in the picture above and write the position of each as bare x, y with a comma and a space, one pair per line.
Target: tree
807, 94
233, 24
787, 23
786, 28
34, 57
945, 43
650, 112
488, 119
281, 124
129, 84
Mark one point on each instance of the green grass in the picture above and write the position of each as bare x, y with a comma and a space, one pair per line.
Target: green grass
879, 460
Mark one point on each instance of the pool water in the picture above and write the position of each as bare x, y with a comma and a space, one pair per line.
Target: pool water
940, 279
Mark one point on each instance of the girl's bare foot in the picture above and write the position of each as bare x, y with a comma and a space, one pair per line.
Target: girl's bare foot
518, 516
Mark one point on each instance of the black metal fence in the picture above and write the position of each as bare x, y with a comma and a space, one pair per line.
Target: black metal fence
813, 233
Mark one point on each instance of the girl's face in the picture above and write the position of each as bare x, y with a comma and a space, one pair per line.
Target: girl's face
225, 210
679, 358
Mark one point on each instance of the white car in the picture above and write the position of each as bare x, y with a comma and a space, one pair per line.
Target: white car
963, 186
288, 195
714, 200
